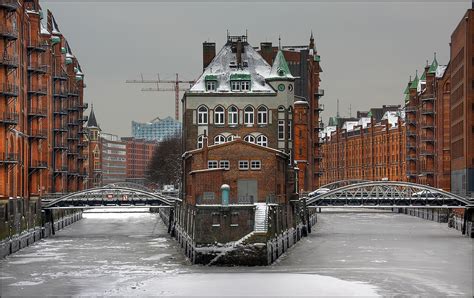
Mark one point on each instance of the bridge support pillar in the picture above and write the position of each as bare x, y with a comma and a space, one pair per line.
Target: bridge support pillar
468, 218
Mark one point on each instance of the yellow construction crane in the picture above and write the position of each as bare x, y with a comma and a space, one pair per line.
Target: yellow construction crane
176, 88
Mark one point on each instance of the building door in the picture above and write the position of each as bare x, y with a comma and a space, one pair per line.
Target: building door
247, 191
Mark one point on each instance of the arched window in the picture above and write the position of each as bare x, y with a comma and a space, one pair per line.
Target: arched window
281, 109
230, 138
249, 138
200, 142
219, 115
219, 139
202, 115
262, 141
262, 115
233, 115
248, 115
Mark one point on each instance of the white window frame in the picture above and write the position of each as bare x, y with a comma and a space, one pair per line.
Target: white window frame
255, 164
200, 142
212, 164
249, 115
230, 138
219, 139
262, 140
203, 116
262, 115
245, 86
224, 164
281, 129
233, 115
243, 165
219, 115
211, 85
235, 85
249, 139
290, 124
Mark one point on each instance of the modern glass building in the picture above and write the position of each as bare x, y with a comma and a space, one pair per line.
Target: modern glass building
156, 130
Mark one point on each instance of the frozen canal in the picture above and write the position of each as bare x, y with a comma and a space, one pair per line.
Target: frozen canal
347, 254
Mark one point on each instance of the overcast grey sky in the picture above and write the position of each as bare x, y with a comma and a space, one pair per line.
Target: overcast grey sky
368, 50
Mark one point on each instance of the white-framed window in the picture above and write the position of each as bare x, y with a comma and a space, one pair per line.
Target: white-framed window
243, 164
250, 139
219, 115
230, 138
262, 115
255, 164
224, 164
290, 124
262, 140
281, 129
202, 115
245, 85
211, 85
200, 142
219, 139
281, 109
235, 85
233, 115
212, 164
248, 115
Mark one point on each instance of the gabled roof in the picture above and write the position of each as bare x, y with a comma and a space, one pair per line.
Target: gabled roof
235, 141
280, 67
414, 83
224, 68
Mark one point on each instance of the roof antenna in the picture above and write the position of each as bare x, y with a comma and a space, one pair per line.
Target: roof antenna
337, 114
279, 42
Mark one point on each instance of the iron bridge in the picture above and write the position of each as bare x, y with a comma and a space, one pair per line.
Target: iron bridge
386, 194
110, 196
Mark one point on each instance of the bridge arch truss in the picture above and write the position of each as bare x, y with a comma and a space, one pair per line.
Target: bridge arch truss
388, 194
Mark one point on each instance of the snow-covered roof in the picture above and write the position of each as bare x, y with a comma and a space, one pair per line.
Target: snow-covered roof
392, 117
364, 122
280, 68
224, 65
349, 125
440, 71
327, 131
44, 29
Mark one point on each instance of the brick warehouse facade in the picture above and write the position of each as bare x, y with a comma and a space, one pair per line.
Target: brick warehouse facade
435, 136
139, 155
41, 85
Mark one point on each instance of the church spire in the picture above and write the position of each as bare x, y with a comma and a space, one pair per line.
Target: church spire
92, 122
311, 41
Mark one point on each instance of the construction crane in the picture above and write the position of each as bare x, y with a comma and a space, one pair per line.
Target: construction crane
176, 88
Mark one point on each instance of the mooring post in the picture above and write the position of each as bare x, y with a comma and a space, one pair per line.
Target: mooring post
170, 220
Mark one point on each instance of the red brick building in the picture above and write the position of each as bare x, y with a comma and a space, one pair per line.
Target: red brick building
41, 113
139, 155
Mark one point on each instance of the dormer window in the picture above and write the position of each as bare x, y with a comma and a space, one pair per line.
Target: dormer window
245, 85
240, 82
211, 82
211, 85
235, 85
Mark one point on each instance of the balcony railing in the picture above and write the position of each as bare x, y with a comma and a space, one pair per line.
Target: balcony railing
73, 137
40, 90
427, 126
60, 93
38, 134
41, 46
39, 164
60, 170
60, 129
411, 146
427, 97
10, 61
410, 122
412, 173
38, 68
37, 112
60, 75
72, 109
411, 109
427, 152
9, 90
73, 92
10, 5
427, 111
427, 139
60, 146
411, 158
8, 33
411, 133
82, 157
6, 157
73, 123
84, 118
9, 118
83, 106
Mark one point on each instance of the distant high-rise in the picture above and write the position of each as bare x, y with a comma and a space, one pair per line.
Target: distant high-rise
156, 130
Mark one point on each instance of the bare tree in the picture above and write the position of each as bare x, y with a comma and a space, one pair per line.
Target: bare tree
165, 165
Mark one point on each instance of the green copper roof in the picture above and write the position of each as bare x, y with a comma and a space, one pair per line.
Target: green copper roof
433, 66
210, 78
280, 67
240, 77
407, 90
317, 58
423, 76
414, 83
407, 98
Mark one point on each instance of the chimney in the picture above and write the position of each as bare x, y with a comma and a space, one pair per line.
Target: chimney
239, 53
208, 53
266, 51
